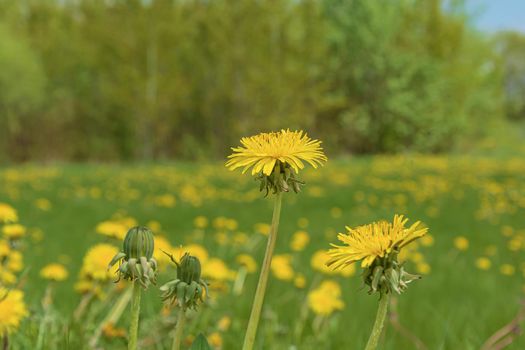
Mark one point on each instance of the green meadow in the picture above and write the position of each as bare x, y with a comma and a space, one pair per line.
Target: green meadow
472, 261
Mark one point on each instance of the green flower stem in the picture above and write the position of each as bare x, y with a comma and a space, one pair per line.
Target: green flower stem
177, 338
378, 325
135, 312
251, 331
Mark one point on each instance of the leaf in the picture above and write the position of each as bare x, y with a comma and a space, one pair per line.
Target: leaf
200, 343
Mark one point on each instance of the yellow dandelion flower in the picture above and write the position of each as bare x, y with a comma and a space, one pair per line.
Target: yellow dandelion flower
262, 228
112, 229
427, 240
5, 249
14, 231
262, 152
247, 261
6, 277
507, 269
372, 241
198, 251
299, 240
217, 270
15, 262
215, 340
7, 213
200, 222
325, 299
162, 245
165, 201
154, 226
95, 263
43, 204
299, 281
282, 268
483, 263
54, 272
12, 310
423, 268
224, 323
461, 243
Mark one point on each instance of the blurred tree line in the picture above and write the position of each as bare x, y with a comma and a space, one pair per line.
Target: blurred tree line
150, 79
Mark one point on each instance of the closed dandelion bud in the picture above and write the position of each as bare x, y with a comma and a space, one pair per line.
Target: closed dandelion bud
135, 261
189, 268
188, 288
139, 243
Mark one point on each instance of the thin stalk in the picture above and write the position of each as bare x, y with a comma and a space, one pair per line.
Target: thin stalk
46, 305
251, 331
112, 317
135, 312
378, 324
179, 326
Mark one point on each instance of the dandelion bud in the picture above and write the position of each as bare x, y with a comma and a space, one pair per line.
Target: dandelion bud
139, 243
188, 288
135, 261
189, 268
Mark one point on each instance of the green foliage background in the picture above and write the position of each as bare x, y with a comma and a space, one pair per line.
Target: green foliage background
157, 79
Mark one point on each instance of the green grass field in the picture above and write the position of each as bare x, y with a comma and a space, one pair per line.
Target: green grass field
456, 305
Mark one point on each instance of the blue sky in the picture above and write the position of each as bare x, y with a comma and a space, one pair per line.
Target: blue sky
494, 15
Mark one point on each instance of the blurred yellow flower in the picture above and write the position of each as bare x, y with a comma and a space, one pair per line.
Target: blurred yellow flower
154, 226
423, 268
110, 331
12, 310
427, 240
196, 250
262, 228
299, 240
248, 262
483, 263
54, 272
7, 214
165, 200
215, 340
162, 245
5, 249
282, 268
95, 263
372, 241
299, 281
200, 222
262, 152
507, 269
216, 269
113, 229
15, 261
6, 277
14, 231
43, 204
224, 323
325, 299
461, 243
